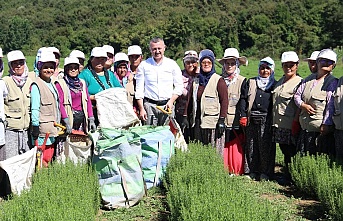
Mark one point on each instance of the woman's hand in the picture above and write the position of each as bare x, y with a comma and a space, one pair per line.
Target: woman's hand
308, 108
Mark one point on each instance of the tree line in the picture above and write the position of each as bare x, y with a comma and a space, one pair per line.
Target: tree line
256, 28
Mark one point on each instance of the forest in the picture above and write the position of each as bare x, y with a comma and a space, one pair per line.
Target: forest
256, 28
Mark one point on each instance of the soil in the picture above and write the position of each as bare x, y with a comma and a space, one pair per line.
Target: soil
309, 208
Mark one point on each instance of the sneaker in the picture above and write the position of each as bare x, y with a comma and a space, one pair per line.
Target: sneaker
264, 177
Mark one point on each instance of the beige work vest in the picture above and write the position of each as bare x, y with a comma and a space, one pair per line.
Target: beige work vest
338, 102
130, 90
68, 101
234, 94
210, 106
48, 113
284, 108
17, 104
317, 99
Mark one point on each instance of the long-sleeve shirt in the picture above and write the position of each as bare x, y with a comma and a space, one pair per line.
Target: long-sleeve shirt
76, 101
329, 109
158, 81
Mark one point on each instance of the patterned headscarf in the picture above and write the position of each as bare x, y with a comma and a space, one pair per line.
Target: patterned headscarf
19, 80
231, 78
265, 83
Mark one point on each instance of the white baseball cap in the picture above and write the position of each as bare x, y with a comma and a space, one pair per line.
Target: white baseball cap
54, 50
47, 56
269, 61
15, 55
233, 53
313, 56
98, 52
71, 60
289, 56
121, 57
108, 49
328, 54
77, 54
1, 54
134, 49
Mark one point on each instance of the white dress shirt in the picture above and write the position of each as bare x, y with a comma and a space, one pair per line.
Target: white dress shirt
158, 81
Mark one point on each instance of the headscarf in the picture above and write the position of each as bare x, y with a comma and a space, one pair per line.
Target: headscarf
123, 80
19, 80
74, 83
265, 83
231, 78
204, 77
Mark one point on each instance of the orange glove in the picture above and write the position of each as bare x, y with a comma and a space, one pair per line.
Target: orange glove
295, 127
243, 121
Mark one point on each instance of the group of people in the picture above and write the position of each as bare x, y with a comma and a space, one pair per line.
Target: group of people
300, 114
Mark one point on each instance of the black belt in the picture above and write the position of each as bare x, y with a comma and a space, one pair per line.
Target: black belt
162, 102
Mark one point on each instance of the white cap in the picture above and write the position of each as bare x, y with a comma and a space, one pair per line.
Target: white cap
134, 49
71, 60
108, 49
313, 56
289, 56
233, 53
47, 56
121, 57
54, 50
98, 52
77, 54
1, 54
15, 55
328, 54
270, 62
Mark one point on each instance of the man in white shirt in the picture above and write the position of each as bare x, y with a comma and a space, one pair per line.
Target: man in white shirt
158, 83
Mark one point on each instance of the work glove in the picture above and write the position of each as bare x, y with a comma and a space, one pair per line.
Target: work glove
220, 127
91, 124
35, 132
184, 123
67, 125
243, 121
295, 127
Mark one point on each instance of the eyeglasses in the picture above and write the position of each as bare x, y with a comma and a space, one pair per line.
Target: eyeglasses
73, 67
326, 62
289, 64
18, 62
230, 63
208, 63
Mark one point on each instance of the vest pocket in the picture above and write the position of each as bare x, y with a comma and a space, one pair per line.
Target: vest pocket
337, 104
14, 114
285, 105
211, 106
318, 102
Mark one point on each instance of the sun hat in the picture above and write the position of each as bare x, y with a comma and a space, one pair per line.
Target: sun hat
233, 53
98, 52
270, 62
289, 56
134, 49
71, 60
108, 49
47, 56
1, 54
15, 55
77, 54
313, 56
121, 56
191, 55
328, 54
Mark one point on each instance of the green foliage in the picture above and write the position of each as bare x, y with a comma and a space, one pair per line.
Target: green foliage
199, 188
321, 177
60, 192
257, 28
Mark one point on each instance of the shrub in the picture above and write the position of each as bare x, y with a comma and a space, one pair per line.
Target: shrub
199, 188
321, 177
60, 192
